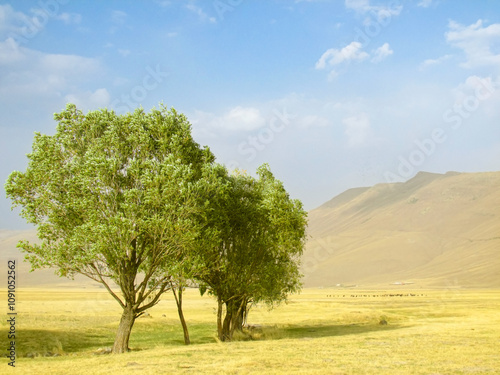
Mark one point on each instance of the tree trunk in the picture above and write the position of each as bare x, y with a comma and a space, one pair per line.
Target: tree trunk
219, 318
226, 325
178, 300
124, 329
241, 317
237, 316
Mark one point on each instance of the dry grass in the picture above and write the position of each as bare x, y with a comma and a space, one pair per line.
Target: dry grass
319, 332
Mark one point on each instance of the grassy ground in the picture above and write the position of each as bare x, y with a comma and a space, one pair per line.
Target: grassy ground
319, 332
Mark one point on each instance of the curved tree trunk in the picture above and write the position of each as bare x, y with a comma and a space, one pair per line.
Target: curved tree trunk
123, 335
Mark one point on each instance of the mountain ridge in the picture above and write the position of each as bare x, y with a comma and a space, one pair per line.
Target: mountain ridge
436, 229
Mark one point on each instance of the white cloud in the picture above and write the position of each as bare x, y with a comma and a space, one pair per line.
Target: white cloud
18, 25
22, 27
380, 12
382, 52
357, 129
89, 100
352, 52
236, 119
477, 42
479, 96
482, 88
29, 72
431, 62
201, 14
69, 18
10, 53
425, 3
332, 57
240, 118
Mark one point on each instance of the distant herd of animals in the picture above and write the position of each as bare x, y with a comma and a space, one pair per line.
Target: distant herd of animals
375, 295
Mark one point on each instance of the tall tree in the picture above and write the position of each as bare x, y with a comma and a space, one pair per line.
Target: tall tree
253, 250
113, 197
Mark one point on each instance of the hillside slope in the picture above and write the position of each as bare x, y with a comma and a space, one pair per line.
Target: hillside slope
434, 230
39, 278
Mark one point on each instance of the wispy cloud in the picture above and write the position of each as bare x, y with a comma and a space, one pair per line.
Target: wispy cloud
333, 56
236, 119
381, 53
353, 52
477, 42
432, 62
382, 12
21, 25
201, 14
88, 100
27, 72
425, 3
69, 18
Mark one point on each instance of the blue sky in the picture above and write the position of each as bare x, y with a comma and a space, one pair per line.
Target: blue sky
332, 94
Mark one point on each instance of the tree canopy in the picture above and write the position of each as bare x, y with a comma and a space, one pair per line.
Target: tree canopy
113, 198
134, 203
252, 245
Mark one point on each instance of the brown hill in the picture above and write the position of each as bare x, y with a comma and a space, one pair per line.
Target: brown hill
433, 230
25, 278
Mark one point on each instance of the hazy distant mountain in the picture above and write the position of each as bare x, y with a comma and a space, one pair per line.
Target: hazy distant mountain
434, 230
38, 278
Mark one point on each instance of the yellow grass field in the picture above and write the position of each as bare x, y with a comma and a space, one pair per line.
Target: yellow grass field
320, 331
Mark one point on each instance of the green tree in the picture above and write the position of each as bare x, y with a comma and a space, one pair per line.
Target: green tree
113, 198
251, 252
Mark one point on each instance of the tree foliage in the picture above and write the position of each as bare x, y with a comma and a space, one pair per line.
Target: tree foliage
251, 246
132, 202
113, 198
